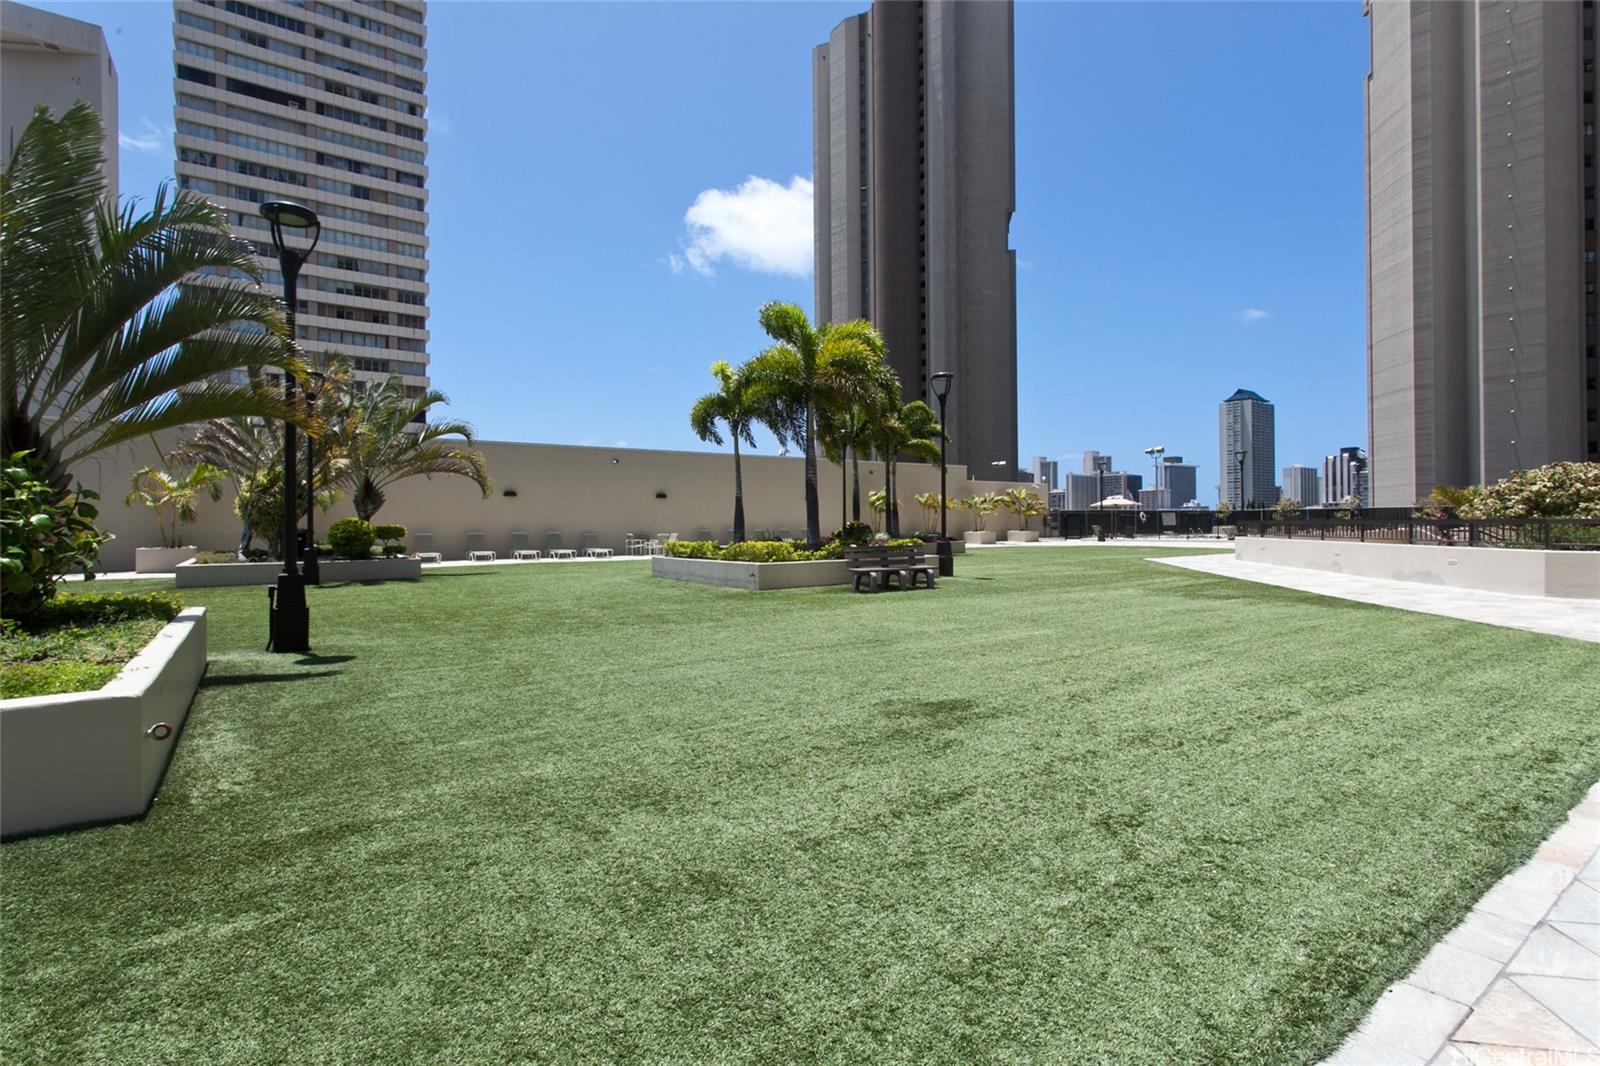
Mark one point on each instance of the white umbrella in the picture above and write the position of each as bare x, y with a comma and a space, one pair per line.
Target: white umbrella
1115, 501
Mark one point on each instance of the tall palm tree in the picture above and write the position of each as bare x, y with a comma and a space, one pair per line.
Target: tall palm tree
853, 404
741, 407
913, 430
384, 439
104, 336
795, 377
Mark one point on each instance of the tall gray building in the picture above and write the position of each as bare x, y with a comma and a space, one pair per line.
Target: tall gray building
1245, 429
1480, 241
50, 59
323, 104
1302, 483
1178, 478
1046, 472
915, 184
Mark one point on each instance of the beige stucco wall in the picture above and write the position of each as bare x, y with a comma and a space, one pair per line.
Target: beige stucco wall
560, 488
1522, 572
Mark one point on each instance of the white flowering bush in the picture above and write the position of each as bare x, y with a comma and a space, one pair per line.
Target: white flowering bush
1556, 490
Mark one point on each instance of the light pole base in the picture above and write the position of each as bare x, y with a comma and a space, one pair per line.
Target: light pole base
288, 619
947, 562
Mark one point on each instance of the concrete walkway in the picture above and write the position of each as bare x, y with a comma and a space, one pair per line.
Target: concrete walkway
1577, 619
1518, 981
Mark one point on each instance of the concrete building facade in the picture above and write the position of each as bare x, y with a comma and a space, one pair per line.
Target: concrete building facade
914, 161
1178, 478
323, 104
1245, 425
54, 60
1480, 241
1345, 475
1303, 483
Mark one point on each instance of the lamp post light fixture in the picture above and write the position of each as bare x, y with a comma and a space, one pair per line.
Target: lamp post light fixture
941, 383
289, 620
1239, 456
1155, 455
316, 381
1102, 466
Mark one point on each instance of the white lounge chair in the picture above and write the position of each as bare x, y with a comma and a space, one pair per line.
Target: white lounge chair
592, 549
522, 550
478, 550
552, 546
422, 548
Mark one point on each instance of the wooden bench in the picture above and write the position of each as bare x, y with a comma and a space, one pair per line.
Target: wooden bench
877, 565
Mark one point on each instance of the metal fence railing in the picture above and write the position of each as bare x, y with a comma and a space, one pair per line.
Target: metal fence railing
1557, 534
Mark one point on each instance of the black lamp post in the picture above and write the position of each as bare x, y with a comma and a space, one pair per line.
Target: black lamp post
289, 623
315, 382
1102, 463
1239, 455
941, 383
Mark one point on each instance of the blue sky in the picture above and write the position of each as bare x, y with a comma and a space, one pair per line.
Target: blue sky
615, 189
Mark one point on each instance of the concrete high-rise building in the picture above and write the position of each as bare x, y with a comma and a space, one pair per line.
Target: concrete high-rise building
1345, 475
1157, 499
1245, 429
1480, 241
322, 104
57, 61
914, 164
1046, 472
1178, 478
1091, 460
1302, 483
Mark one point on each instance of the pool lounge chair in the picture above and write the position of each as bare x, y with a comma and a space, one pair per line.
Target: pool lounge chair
592, 549
553, 548
422, 548
478, 550
521, 549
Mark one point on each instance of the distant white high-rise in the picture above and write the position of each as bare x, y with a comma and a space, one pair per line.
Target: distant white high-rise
1302, 483
1345, 475
322, 104
1046, 473
1090, 458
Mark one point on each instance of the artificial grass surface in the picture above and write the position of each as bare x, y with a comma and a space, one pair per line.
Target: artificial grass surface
1072, 806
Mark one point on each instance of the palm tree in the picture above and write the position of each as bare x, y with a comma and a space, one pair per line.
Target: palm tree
172, 496
795, 376
913, 430
853, 405
741, 407
104, 336
384, 438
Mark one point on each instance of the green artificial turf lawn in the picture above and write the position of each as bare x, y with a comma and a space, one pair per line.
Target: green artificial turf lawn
1071, 806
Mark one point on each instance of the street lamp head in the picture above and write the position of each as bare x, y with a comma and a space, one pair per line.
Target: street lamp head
286, 214
315, 381
941, 384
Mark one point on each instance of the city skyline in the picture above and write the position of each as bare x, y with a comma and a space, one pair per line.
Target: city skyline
512, 226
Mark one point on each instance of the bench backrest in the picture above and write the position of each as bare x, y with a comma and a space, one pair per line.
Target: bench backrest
885, 556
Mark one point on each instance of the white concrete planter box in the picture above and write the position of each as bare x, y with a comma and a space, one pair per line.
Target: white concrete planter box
754, 576
160, 560
400, 568
84, 757
193, 575
1021, 536
1526, 572
979, 536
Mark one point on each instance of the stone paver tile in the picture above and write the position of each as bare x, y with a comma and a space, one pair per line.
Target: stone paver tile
1584, 933
1362, 1050
1500, 1055
1580, 903
1573, 1001
1551, 953
1489, 935
1450, 1055
1528, 892
1457, 974
1507, 1015
1572, 845
1411, 1020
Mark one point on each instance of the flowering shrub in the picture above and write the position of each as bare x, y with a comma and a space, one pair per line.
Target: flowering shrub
1557, 490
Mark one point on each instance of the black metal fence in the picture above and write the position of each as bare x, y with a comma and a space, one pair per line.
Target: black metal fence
1561, 534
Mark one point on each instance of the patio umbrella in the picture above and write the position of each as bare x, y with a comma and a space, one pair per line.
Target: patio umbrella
1113, 503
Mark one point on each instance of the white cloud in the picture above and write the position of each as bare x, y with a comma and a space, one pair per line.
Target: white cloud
150, 138
761, 226
1252, 314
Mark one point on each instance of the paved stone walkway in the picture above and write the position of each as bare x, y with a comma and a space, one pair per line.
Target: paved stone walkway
1518, 981
1578, 619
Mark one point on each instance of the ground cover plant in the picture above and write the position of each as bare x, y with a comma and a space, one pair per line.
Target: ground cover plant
1072, 806
78, 643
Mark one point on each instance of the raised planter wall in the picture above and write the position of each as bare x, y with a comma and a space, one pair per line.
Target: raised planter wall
753, 576
214, 575
979, 536
160, 560
84, 757
1022, 536
397, 569
1526, 572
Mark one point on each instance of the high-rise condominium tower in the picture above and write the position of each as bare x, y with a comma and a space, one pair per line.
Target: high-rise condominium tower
1344, 475
322, 104
1480, 242
915, 175
1245, 431
50, 59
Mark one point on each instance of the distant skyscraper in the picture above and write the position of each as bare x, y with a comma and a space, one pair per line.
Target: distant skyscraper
1046, 472
1302, 483
1481, 247
913, 149
1158, 499
1178, 478
54, 60
1245, 426
1091, 458
1085, 490
1345, 475
322, 104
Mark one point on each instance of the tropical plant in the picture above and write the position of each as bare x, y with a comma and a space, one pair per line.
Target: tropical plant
740, 407
853, 407
1287, 509
930, 503
853, 534
878, 502
1556, 490
800, 372
912, 430
1024, 503
1224, 510
44, 535
250, 453
1348, 509
393, 537
106, 332
982, 506
383, 438
172, 496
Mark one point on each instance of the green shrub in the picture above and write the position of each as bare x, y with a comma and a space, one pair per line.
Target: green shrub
389, 533
351, 538
759, 551
44, 535
106, 609
831, 550
853, 535
904, 542
691, 549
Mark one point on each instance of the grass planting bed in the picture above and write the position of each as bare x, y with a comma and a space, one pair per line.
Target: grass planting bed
1070, 806
70, 650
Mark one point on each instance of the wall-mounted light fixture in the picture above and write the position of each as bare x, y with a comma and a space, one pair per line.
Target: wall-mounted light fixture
615, 460
509, 492
660, 495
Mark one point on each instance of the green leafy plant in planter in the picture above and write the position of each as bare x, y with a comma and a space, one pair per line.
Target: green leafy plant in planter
853, 535
1024, 503
44, 535
759, 551
172, 496
352, 538
393, 538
